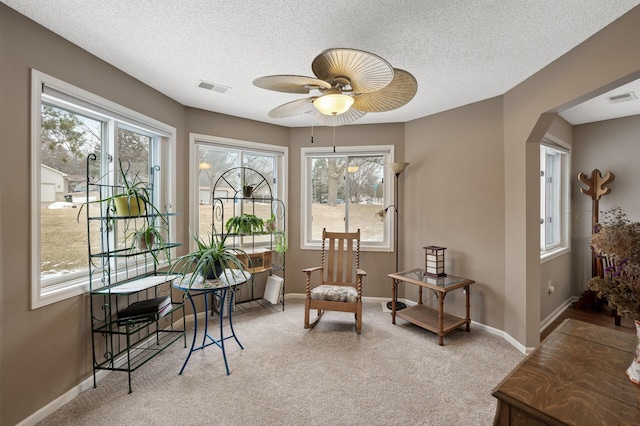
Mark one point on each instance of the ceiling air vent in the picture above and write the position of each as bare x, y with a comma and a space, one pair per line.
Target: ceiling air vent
213, 87
624, 97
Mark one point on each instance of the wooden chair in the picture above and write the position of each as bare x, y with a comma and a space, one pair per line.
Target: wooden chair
340, 278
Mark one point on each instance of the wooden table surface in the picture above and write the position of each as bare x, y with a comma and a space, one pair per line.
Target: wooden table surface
576, 376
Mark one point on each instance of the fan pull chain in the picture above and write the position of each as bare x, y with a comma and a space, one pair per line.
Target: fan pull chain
312, 133
334, 139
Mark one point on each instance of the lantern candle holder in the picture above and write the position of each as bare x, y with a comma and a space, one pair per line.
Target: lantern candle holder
434, 261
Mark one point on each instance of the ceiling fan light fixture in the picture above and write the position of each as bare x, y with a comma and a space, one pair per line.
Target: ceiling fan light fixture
333, 103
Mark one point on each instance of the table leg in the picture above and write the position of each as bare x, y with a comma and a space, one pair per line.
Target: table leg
195, 332
468, 318
441, 320
221, 315
206, 320
233, 333
393, 300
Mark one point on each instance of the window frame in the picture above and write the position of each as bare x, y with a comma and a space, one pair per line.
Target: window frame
43, 295
561, 197
197, 139
388, 152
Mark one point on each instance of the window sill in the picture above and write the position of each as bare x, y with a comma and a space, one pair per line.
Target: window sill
553, 254
56, 293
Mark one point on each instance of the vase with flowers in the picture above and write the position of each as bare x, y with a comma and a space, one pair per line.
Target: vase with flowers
617, 241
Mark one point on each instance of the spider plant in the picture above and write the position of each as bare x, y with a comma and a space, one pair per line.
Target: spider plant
212, 257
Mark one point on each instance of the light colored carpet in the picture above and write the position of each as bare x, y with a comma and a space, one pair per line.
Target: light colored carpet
390, 374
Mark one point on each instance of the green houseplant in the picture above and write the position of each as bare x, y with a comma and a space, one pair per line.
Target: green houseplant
271, 224
130, 197
244, 224
151, 238
281, 243
210, 258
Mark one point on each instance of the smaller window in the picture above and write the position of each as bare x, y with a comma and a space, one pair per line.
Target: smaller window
554, 199
346, 191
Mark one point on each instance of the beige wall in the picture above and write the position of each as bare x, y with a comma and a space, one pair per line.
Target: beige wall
472, 186
454, 197
610, 145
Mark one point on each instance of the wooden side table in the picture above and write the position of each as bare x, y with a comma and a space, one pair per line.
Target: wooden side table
436, 321
576, 376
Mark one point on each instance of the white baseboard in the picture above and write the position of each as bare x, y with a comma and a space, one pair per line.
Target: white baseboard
555, 314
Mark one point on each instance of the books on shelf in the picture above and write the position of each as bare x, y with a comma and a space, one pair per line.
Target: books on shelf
145, 310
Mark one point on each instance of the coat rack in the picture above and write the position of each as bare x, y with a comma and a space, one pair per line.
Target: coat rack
595, 189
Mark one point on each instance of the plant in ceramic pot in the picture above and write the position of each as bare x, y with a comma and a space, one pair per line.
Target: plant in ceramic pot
151, 238
244, 224
617, 241
131, 195
247, 191
211, 258
271, 224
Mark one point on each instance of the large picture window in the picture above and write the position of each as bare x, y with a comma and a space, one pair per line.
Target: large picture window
213, 156
68, 124
342, 192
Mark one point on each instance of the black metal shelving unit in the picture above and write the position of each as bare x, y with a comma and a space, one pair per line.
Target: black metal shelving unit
230, 198
120, 274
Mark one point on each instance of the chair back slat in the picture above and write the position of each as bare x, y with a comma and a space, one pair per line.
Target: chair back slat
340, 257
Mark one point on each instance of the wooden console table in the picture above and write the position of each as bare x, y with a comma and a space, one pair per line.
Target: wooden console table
436, 321
576, 376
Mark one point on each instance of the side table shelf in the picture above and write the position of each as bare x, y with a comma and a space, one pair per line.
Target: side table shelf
427, 318
434, 320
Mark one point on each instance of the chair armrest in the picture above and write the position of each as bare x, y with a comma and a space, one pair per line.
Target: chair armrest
361, 272
310, 270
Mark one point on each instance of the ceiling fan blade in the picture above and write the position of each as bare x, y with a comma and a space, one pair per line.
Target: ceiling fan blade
366, 72
290, 83
301, 106
338, 120
401, 90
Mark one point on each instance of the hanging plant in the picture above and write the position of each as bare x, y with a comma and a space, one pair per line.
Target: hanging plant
281, 243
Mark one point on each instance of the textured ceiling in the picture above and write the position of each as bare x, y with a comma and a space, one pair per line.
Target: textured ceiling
459, 51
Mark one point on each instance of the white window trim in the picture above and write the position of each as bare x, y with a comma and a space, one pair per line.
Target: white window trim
54, 293
194, 196
564, 246
306, 243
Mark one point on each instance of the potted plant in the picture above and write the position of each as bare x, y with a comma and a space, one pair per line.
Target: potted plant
150, 237
130, 198
271, 224
617, 241
210, 259
244, 224
247, 191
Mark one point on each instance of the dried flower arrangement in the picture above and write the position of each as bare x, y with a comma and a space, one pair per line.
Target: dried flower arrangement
617, 240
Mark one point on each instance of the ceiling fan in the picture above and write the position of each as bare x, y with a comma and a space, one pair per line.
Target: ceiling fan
349, 82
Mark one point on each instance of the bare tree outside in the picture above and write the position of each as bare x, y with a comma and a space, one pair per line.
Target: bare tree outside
345, 194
